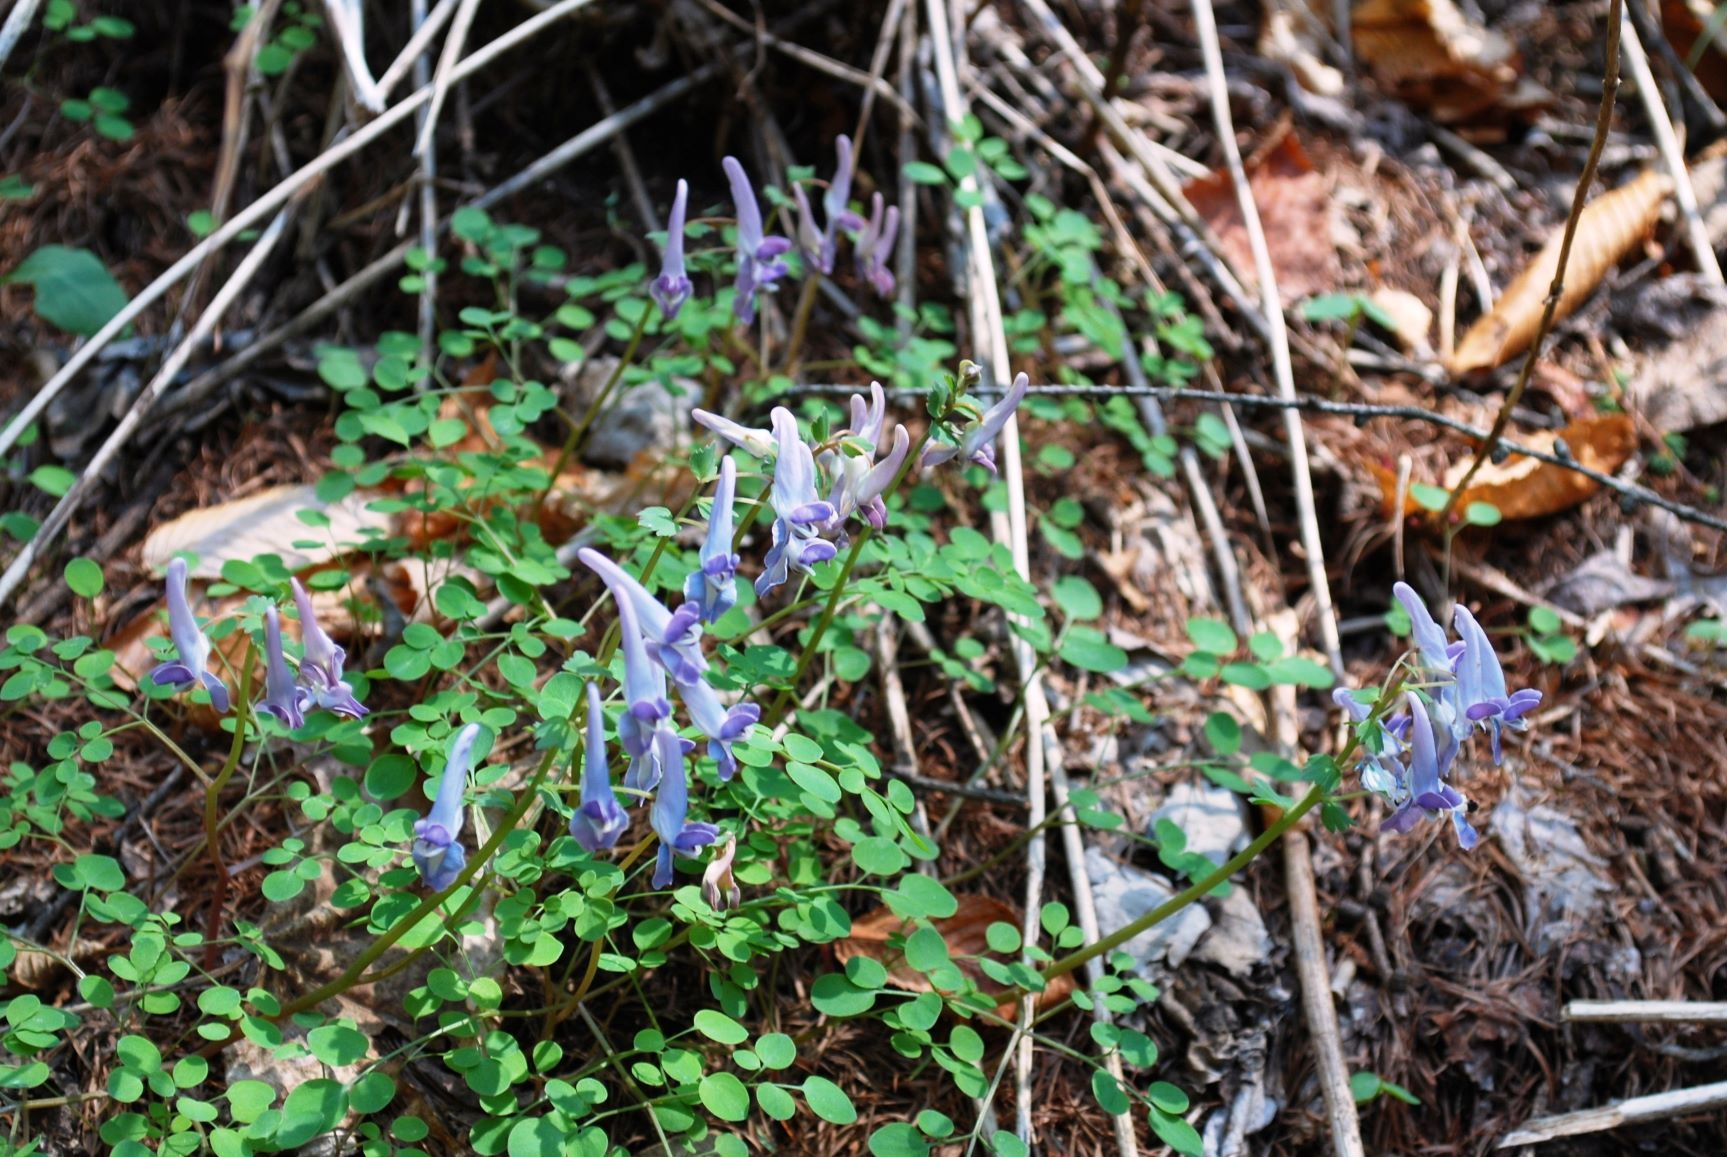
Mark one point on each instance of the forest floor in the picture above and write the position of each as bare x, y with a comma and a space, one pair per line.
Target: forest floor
1402, 188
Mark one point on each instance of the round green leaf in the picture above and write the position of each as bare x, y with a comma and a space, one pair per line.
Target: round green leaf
717, 1026
777, 1050
879, 856
1212, 635
535, 1137
84, 577
776, 1102
828, 1101
835, 995
898, 1140
371, 1092
723, 1095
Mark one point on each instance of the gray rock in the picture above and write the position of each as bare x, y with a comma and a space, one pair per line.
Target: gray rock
1211, 817
1123, 893
641, 417
1238, 941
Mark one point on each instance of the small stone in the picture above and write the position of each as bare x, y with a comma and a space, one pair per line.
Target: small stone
1124, 893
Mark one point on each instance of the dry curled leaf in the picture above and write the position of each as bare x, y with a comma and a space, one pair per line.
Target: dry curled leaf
1296, 210
1524, 487
965, 933
1609, 228
1430, 56
268, 522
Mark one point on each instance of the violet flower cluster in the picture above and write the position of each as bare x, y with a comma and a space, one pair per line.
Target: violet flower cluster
1457, 687
288, 693
662, 649
760, 254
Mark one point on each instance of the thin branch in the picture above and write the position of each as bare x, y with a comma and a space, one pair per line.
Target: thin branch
255, 213
73, 498
1361, 412
1603, 122
1672, 156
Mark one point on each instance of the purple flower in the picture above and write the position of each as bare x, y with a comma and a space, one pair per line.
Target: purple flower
722, 727
794, 496
977, 442
859, 482
874, 245
676, 635
672, 287
798, 512
1380, 768
755, 442
191, 665
1429, 764
437, 848
804, 231
719, 886
758, 255
1481, 684
670, 813
792, 548
836, 204
283, 698
819, 245
321, 663
1468, 682
598, 821
713, 587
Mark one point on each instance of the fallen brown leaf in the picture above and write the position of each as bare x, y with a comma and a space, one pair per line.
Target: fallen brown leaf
1295, 208
1429, 56
1523, 487
965, 934
1609, 228
265, 523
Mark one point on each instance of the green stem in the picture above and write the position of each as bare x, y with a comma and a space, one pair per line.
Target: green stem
808, 654
800, 323
1199, 888
580, 429
213, 808
354, 974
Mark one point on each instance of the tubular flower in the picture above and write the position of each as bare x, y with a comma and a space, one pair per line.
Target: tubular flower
1429, 764
835, 204
758, 255
755, 442
1466, 675
321, 663
191, 665
723, 727
598, 821
676, 635
437, 848
874, 245
820, 245
671, 809
672, 287
1481, 685
719, 886
798, 512
282, 697
977, 442
859, 483
1381, 769
713, 587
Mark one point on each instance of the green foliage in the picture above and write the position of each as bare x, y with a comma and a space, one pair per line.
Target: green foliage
1547, 638
74, 291
822, 831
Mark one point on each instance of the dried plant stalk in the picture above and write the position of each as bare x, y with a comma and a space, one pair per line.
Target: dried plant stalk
1608, 229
